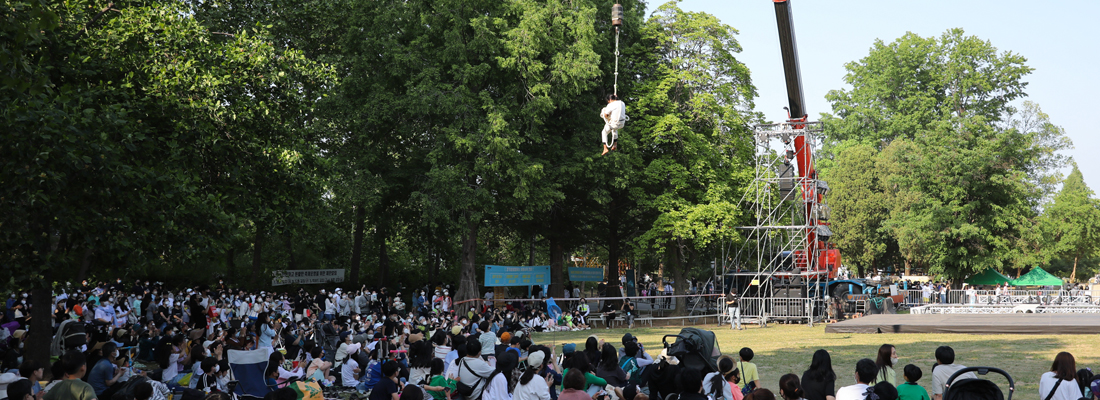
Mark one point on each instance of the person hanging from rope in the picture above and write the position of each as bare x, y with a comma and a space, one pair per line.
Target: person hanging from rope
614, 116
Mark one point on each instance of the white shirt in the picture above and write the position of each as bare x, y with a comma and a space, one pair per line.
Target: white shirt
617, 111
481, 368
727, 391
498, 388
1068, 390
536, 389
853, 392
347, 372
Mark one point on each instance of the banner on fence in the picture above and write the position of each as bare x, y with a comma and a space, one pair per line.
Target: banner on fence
307, 276
577, 274
497, 275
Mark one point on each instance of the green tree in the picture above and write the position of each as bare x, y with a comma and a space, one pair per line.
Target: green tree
962, 170
129, 130
1072, 222
859, 206
692, 116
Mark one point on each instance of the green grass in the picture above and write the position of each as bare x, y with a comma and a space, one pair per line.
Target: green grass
783, 349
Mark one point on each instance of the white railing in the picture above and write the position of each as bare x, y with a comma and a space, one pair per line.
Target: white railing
762, 310
1004, 309
914, 298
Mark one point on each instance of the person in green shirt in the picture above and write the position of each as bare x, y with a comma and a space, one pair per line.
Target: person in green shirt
580, 362
910, 390
74, 365
439, 387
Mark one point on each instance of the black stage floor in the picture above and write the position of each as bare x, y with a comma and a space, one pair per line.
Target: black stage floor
973, 323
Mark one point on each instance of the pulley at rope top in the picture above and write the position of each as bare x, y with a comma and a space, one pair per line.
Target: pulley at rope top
617, 15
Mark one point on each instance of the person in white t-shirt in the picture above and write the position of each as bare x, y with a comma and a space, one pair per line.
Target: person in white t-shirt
349, 373
1060, 383
865, 372
614, 117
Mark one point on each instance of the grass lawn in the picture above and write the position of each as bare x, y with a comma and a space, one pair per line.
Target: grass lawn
782, 349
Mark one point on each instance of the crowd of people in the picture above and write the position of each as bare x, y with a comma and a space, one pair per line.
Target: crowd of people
145, 341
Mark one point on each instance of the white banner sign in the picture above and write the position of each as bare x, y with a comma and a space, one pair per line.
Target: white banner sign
307, 276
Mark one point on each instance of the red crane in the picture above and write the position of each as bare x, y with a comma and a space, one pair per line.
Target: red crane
813, 190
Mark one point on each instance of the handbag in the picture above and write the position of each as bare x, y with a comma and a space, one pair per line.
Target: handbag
750, 385
468, 390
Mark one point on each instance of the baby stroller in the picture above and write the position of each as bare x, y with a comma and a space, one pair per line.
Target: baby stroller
71, 334
695, 348
977, 388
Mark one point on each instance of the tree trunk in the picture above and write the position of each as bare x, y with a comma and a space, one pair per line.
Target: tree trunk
531, 255
230, 258
1073, 275
383, 256
907, 268
557, 277
84, 263
41, 312
257, 249
357, 243
672, 249
467, 284
613, 251
291, 262
436, 263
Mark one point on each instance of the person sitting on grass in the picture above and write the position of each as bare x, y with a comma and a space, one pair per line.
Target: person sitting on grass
911, 390
865, 372
944, 368
748, 370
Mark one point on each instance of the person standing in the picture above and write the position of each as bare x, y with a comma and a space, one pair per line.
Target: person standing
733, 308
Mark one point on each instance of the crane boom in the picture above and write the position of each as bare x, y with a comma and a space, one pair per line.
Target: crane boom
793, 75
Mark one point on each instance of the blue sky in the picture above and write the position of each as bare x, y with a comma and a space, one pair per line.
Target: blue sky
1059, 39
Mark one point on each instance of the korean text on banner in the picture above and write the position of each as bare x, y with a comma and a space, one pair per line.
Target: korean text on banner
307, 276
496, 275
578, 274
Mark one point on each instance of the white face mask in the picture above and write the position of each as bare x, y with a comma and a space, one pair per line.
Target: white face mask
114, 354
893, 361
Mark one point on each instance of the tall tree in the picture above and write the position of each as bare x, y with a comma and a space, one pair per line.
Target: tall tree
859, 206
962, 170
692, 112
1072, 222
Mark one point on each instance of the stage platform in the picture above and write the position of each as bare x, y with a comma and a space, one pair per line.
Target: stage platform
982, 324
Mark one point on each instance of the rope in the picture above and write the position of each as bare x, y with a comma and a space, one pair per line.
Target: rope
616, 90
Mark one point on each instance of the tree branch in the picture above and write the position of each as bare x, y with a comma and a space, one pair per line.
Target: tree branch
110, 6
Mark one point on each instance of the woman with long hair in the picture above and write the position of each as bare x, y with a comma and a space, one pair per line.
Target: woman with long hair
271, 374
1060, 383
531, 385
609, 368
420, 361
580, 363
790, 388
722, 385
264, 330
500, 381
592, 351
887, 358
819, 381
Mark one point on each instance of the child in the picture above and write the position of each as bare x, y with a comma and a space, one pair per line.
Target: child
439, 387
910, 390
748, 371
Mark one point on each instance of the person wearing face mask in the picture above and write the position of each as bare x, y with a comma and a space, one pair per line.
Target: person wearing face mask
865, 372
105, 313
105, 377
885, 362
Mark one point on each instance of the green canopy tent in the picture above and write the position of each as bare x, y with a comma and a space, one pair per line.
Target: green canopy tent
1037, 277
987, 277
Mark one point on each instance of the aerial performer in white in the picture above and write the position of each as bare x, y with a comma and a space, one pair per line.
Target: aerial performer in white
614, 117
